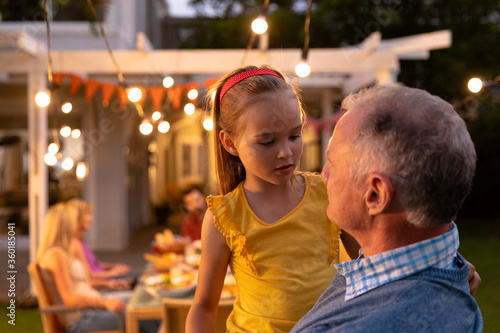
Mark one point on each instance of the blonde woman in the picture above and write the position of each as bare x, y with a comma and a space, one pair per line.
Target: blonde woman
70, 276
96, 268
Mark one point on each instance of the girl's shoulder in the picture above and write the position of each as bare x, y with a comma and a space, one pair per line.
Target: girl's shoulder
312, 178
54, 256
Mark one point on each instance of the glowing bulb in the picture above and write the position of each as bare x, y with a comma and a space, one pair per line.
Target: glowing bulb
152, 147
475, 85
259, 25
76, 133
163, 127
146, 128
65, 131
67, 164
168, 82
156, 116
81, 170
134, 94
208, 124
53, 148
189, 109
302, 69
67, 107
50, 159
192, 94
42, 99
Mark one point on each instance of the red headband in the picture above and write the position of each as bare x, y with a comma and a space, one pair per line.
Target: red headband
243, 75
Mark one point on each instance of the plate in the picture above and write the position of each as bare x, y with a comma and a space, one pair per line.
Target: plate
177, 283
171, 292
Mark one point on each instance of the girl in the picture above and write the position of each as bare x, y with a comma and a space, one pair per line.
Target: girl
269, 223
70, 277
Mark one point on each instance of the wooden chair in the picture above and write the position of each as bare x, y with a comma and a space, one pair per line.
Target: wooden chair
175, 311
51, 309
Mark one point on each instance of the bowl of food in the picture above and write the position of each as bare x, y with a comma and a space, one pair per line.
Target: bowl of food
176, 283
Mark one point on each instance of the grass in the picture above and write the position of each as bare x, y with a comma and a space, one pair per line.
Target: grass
479, 241
478, 244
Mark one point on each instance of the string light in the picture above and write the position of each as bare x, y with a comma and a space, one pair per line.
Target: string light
208, 124
156, 116
76, 133
65, 131
168, 82
134, 94
53, 148
259, 25
192, 94
67, 107
475, 85
68, 163
81, 170
262, 17
50, 159
146, 128
164, 127
303, 69
42, 99
189, 109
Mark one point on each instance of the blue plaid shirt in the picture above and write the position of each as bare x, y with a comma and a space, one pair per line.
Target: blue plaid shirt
365, 274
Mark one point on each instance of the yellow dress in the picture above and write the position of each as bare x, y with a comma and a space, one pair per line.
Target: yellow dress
282, 268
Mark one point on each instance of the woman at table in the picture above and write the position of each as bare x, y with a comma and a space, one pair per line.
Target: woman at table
70, 276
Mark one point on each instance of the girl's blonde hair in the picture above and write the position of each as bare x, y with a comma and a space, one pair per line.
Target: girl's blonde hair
58, 229
226, 113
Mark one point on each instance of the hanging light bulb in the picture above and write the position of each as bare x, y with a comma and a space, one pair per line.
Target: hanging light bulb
146, 128
53, 148
156, 116
42, 99
50, 159
475, 85
67, 107
168, 82
302, 69
163, 127
81, 170
67, 164
189, 109
76, 133
192, 94
208, 124
65, 131
134, 94
259, 25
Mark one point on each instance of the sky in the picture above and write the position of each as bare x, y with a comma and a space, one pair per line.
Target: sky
180, 8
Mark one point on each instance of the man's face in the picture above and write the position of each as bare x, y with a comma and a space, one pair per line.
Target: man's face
195, 202
345, 198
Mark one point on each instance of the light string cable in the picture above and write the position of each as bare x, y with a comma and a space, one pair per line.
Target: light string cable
307, 22
106, 41
50, 78
252, 38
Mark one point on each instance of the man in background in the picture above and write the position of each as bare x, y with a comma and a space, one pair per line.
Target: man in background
196, 206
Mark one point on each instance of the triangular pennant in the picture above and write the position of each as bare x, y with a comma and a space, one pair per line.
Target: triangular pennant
75, 84
91, 88
156, 94
175, 95
107, 91
122, 96
58, 77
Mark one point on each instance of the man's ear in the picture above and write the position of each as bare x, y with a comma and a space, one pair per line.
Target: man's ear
228, 143
379, 194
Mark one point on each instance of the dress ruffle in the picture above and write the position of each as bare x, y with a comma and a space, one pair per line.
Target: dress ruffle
229, 230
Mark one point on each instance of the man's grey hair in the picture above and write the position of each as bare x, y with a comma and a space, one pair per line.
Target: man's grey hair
422, 145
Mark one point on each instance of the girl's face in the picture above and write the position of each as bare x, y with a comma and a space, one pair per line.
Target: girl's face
269, 140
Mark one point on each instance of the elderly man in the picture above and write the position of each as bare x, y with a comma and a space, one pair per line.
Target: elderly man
399, 166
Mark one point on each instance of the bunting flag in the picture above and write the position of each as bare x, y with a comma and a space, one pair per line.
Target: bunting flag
156, 93
75, 84
58, 77
91, 88
107, 91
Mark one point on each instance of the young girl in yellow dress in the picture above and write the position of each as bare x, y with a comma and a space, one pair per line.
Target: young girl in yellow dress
269, 223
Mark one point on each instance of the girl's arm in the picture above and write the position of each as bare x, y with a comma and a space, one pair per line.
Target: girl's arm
213, 266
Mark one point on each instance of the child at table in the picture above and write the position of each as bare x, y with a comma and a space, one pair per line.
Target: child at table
269, 223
